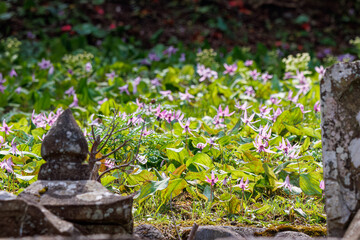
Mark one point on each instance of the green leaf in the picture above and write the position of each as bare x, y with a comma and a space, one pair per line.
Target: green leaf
305, 145
177, 154
174, 188
150, 188
108, 179
201, 159
309, 183
270, 174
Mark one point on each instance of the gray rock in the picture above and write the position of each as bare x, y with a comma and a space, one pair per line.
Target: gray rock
147, 231
216, 232
292, 235
86, 203
4, 195
64, 148
246, 232
340, 114
22, 218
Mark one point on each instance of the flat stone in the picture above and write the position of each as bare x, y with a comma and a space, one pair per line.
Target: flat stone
147, 231
340, 123
292, 235
4, 195
21, 218
216, 232
83, 202
246, 232
64, 149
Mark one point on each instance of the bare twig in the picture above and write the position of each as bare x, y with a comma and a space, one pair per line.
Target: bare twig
113, 151
193, 231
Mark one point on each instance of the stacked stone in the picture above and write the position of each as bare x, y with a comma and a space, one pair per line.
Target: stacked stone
63, 201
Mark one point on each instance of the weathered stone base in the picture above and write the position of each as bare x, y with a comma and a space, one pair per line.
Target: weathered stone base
86, 203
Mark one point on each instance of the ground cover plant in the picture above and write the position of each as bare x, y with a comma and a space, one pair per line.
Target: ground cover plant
194, 134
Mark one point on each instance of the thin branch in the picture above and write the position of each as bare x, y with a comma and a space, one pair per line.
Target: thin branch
107, 137
113, 168
112, 152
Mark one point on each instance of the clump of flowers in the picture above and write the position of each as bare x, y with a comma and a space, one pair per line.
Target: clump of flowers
297, 63
207, 57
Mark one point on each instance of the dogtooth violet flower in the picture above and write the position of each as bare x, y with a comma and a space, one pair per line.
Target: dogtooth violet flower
186, 96
286, 184
317, 106
5, 128
88, 67
186, 127
248, 63
7, 165
124, 89
243, 185
230, 69
212, 180
167, 94
242, 107
261, 145
225, 112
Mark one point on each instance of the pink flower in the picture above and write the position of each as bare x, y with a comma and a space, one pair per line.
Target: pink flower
243, 185
218, 122
261, 145
322, 185
186, 96
242, 107
201, 146
109, 164
167, 94
170, 51
224, 113
254, 74
135, 84
70, 91
186, 127
13, 73
124, 89
75, 102
13, 149
44, 64
265, 77
18, 90
276, 114
2, 140
7, 165
264, 111
155, 82
286, 147
102, 101
249, 91
265, 132
286, 184
88, 67
248, 63
213, 180
321, 71
302, 108
5, 128
247, 120
317, 106
206, 73
111, 76
230, 69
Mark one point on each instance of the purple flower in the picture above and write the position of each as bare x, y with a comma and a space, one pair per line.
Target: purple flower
224, 113
346, 58
248, 63
7, 165
88, 67
275, 100
322, 185
30, 35
2, 140
109, 164
286, 147
182, 57
302, 108
2, 88
5, 128
249, 91
206, 73
186, 96
146, 132
276, 114
124, 89
247, 120
167, 94
218, 122
201, 146
13, 149
186, 127
153, 57
18, 90
230, 69
139, 104
70, 92
136, 82
170, 51
243, 185
265, 132
155, 82
2, 80
102, 101
264, 111
111, 76
321, 71
288, 75
261, 145
51, 70
242, 107
266, 76
317, 106
213, 180
212, 143
13, 73
286, 184
75, 102
44, 64
254, 74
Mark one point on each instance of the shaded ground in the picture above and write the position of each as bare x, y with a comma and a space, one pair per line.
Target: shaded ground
294, 25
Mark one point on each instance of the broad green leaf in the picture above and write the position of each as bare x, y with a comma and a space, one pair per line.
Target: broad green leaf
177, 154
309, 183
107, 179
151, 187
270, 174
201, 159
174, 188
